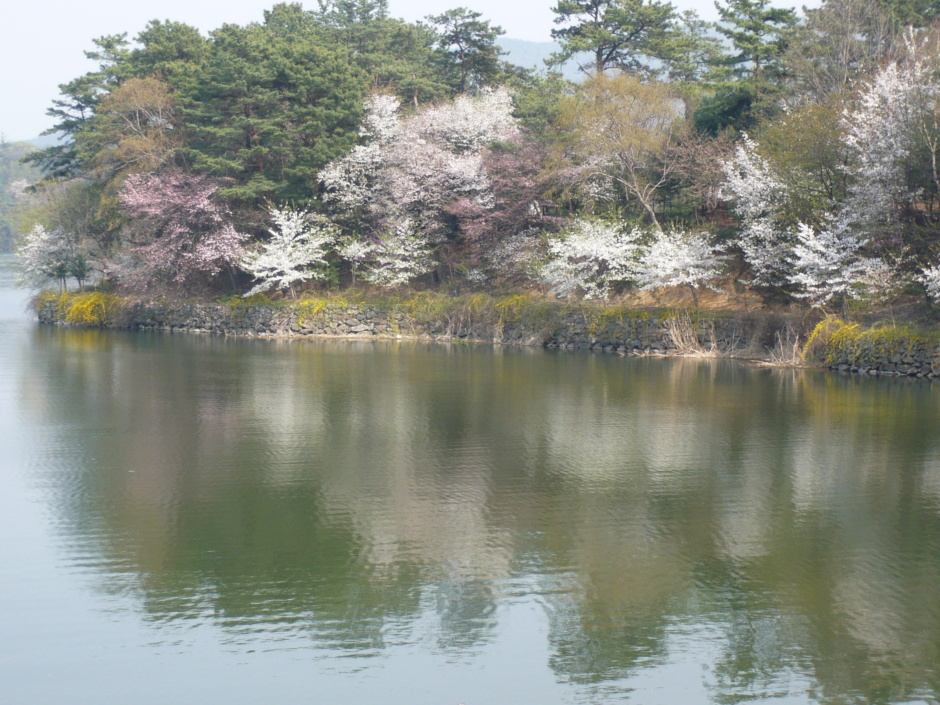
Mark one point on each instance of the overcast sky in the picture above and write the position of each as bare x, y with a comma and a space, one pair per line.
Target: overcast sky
41, 41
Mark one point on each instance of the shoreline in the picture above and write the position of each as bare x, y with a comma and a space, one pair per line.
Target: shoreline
759, 338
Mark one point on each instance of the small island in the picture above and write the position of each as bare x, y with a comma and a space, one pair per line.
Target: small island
774, 171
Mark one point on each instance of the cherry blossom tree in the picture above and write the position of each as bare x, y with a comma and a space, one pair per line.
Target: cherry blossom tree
677, 258
591, 256
882, 129
760, 198
398, 258
296, 251
827, 263
880, 281
48, 256
519, 181
401, 181
355, 252
178, 235
930, 278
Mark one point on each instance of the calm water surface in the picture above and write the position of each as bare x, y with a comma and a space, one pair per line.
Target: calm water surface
200, 520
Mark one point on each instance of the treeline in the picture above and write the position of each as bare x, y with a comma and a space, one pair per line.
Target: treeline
798, 154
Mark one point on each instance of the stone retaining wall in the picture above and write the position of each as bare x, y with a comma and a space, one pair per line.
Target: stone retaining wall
894, 352
907, 356
640, 334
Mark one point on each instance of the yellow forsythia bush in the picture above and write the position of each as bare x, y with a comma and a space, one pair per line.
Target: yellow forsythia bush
91, 309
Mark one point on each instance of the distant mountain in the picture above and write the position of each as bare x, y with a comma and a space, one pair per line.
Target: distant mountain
532, 55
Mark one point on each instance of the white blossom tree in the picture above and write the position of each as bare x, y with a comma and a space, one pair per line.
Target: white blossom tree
590, 256
930, 278
894, 112
399, 183
759, 198
296, 251
354, 251
879, 280
48, 256
401, 256
677, 258
827, 263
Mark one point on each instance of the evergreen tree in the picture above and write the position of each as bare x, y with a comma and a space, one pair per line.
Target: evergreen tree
76, 108
397, 56
758, 33
171, 51
914, 13
753, 72
273, 104
466, 49
631, 35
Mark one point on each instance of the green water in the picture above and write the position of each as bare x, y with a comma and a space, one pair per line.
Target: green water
199, 520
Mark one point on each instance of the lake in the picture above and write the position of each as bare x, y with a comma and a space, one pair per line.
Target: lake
189, 519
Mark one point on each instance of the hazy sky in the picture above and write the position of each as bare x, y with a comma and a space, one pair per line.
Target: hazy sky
41, 41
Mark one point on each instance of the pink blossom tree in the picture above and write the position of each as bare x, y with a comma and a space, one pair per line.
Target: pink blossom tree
178, 235
518, 203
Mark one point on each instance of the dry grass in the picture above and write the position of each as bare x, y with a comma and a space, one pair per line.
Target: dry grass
787, 350
680, 330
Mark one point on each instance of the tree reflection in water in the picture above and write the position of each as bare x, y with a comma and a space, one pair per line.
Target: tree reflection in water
359, 498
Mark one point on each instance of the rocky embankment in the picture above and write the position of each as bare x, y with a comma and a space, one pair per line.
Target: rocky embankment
843, 347
604, 330
884, 352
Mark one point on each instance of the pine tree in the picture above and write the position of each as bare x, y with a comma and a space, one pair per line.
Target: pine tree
758, 32
274, 103
466, 48
631, 35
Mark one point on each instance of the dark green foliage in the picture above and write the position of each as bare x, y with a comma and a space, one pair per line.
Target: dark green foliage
729, 107
537, 97
758, 33
915, 13
171, 51
397, 56
274, 104
632, 35
467, 55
